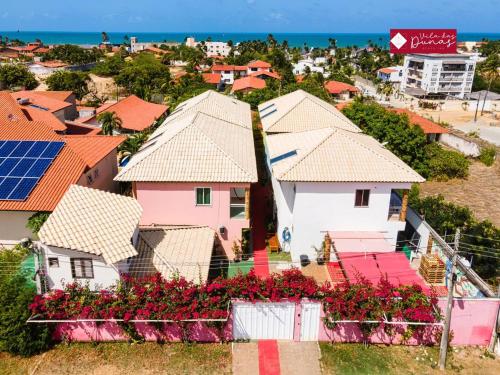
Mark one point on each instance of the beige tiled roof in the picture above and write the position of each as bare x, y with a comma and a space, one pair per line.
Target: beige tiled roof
335, 155
186, 251
195, 148
214, 104
95, 222
300, 111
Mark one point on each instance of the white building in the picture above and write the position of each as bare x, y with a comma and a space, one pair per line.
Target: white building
301, 65
136, 46
392, 74
211, 48
328, 177
448, 75
89, 237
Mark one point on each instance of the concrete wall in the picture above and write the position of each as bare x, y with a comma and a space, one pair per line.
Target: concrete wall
463, 145
104, 275
175, 204
102, 174
13, 226
309, 209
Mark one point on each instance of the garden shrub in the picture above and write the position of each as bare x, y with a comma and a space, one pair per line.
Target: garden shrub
446, 164
488, 155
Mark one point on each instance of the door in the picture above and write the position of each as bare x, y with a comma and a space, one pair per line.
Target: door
309, 321
253, 321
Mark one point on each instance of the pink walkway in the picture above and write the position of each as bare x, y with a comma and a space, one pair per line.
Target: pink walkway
269, 358
259, 196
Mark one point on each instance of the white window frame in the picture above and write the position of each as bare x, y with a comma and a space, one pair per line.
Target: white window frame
196, 196
237, 205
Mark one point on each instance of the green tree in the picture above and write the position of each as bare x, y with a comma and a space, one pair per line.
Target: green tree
13, 75
144, 76
36, 221
73, 54
110, 66
109, 122
132, 144
65, 80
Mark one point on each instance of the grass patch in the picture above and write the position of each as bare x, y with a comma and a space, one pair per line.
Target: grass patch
235, 267
120, 358
279, 256
356, 359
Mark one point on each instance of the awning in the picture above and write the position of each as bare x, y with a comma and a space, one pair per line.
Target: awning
373, 266
360, 242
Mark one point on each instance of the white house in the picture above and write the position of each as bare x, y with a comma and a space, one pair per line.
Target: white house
229, 73
328, 177
301, 65
90, 236
448, 75
391, 74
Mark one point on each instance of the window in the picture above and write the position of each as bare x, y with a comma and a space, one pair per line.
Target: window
203, 196
237, 204
81, 268
362, 198
53, 263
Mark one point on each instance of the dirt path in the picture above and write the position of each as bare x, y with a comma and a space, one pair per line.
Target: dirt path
480, 192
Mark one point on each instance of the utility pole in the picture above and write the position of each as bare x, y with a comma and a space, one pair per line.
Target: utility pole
477, 106
443, 349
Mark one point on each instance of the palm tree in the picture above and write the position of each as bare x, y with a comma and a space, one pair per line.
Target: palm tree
109, 122
490, 70
132, 145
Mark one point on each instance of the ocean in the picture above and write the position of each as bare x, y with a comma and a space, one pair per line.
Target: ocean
294, 39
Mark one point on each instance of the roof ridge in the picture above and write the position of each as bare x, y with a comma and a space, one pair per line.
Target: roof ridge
224, 152
334, 111
286, 113
332, 130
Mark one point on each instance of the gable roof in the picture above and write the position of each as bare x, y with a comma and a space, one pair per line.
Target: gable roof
35, 114
58, 95
9, 109
336, 87
248, 82
195, 148
335, 155
214, 104
93, 148
387, 70
219, 68
41, 100
136, 114
171, 250
427, 126
265, 73
259, 64
213, 78
301, 111
95, 222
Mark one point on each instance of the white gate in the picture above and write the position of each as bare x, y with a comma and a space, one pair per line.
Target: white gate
309, 321
263, 320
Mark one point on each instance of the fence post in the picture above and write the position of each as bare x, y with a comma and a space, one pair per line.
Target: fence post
449, 306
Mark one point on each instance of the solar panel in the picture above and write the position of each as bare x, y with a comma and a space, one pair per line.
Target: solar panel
22, 164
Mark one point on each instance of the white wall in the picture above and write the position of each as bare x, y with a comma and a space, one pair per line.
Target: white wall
463, 145
104, 275
13, 226
318, 207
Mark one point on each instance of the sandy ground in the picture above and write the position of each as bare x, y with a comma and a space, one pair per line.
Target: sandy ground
480, 192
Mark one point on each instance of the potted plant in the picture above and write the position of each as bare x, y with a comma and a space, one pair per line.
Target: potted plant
237, 251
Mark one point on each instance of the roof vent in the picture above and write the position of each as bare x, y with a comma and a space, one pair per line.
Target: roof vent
23, 101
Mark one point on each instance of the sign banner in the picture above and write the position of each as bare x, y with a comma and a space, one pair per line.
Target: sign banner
423, 41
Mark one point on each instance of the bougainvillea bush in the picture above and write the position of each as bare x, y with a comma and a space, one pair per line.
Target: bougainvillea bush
154, 298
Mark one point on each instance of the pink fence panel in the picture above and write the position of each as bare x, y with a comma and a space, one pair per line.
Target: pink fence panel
472, 320
112, 331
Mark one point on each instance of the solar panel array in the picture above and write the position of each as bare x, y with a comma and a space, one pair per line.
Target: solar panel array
22, 165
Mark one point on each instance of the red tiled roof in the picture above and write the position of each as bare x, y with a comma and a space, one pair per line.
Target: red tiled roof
341, 106
53, 105
35, 114
58, 95
93, 148
156, 50
75, 128
135, 113
213, 78
265, 73
248, 83
387, 70
52, 64
219, 68
335, 87
65, 170
299, 78
259, 64
427, 126
9, 109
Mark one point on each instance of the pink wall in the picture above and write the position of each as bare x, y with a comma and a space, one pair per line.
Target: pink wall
175, 204
111, 331
102, 174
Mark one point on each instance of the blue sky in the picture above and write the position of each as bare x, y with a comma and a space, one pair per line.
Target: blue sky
248, 15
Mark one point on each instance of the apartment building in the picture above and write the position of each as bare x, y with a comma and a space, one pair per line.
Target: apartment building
445, 75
